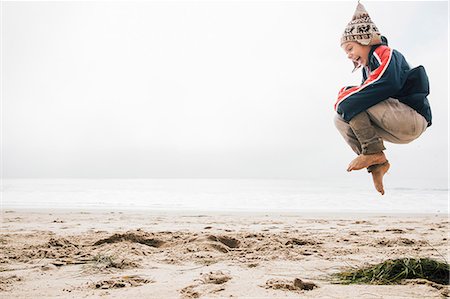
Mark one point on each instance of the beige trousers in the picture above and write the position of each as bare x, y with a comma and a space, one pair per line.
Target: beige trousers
392, 121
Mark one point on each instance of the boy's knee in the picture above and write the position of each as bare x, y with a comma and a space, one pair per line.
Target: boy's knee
342, 125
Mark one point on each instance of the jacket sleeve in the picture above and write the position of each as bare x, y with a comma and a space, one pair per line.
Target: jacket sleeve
382, 83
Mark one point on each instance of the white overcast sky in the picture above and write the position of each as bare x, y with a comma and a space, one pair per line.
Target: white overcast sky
201, 89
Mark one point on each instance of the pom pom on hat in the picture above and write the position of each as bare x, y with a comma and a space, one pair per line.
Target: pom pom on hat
361, 29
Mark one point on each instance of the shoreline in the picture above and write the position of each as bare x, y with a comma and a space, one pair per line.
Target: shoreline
291, 213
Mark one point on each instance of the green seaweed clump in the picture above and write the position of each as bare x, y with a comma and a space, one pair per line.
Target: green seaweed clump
392, 271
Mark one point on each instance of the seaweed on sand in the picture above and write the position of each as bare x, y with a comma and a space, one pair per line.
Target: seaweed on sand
392, 271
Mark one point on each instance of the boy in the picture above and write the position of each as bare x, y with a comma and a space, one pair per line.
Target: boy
391, 103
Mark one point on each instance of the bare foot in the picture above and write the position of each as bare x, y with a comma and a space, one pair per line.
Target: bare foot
364, 161
377, 175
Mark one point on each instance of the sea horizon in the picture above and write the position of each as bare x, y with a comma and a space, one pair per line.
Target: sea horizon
235, 195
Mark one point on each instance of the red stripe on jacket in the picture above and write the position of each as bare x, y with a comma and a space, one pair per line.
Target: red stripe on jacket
385, 54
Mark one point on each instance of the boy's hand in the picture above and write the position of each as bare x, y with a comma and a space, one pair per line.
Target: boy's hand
344, 89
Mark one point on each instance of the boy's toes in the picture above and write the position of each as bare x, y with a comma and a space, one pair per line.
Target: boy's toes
380, 188
378, 174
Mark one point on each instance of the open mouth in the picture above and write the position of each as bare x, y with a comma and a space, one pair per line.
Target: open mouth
357, 63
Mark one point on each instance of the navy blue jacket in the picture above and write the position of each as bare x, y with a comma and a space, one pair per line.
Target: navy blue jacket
388, 75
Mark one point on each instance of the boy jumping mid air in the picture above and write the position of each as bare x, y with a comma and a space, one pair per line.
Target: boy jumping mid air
391, 103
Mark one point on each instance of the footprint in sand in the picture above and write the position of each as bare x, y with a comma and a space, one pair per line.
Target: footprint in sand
7, 282
208, 283
395, 230
121, 282
398, 242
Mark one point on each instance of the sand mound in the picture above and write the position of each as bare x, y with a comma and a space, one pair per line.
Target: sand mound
217, 277
55, 248
60, 242
225, 240
284, 284
140, 238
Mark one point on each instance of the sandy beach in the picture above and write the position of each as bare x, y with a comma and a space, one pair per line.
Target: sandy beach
90, 254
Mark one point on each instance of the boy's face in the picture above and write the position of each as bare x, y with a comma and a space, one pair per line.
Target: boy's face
357, 52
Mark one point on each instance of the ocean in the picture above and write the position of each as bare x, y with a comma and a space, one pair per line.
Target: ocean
234, 195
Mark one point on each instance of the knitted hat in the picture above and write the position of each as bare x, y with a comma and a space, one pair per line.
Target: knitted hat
361, 29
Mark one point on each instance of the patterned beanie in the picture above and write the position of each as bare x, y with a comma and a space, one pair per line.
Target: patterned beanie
361, 29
